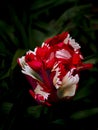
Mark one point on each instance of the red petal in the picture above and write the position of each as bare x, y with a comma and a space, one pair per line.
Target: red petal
36, 65
76, 59
56, 39
62, 36
29, 57
32, 93
50, 63
85, 66
18, 62
39, 97
42, 52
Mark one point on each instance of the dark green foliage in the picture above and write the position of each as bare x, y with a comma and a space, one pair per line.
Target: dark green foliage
25, 26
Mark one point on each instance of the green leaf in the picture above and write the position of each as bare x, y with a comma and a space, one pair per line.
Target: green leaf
85, 90
84, 113
91, 59
70, 14
35, 111
19, 27
6, 107
59, 121
42, 4
5, 75
38, 37
18, 53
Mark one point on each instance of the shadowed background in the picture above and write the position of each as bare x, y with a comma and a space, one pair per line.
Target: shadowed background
24, 26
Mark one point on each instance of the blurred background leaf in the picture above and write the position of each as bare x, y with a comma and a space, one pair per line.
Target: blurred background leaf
23, 26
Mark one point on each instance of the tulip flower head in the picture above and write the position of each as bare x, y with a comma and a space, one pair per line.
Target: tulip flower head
53, 69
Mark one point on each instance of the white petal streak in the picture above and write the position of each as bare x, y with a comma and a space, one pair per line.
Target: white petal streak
68, 86
64, 54
35, 50
74, 44
69, 79
22, 61
43, 44
28, 52
56, 79
55, 66
66, 92
50, 57
28, 71
66, 39
39, 90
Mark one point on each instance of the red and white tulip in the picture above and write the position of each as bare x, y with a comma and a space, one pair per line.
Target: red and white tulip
53, 69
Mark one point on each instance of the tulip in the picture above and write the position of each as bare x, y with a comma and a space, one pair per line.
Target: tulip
53, 69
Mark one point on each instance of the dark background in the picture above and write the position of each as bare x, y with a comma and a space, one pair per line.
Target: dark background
25, 25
